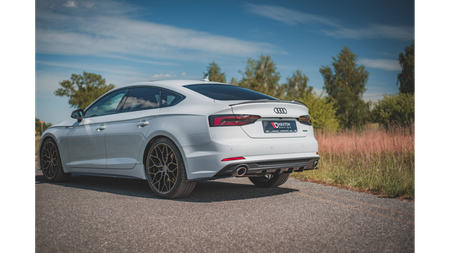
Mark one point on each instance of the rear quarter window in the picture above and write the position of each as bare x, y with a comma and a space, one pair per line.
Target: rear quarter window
227, 92
169, 98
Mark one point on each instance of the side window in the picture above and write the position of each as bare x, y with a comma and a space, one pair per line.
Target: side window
169, 98
141, 99
106, 105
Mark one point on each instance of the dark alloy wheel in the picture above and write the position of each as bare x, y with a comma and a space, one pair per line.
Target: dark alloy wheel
50, 162
270, 180
165, 170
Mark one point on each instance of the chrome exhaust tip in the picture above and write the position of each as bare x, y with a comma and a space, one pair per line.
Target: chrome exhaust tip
316, 162
240, 171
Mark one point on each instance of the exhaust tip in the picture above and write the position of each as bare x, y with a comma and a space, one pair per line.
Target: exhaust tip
316, 162
240, 171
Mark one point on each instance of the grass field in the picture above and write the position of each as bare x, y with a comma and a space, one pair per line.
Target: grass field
374, 159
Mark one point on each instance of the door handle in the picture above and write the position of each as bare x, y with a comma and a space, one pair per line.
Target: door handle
143, 123
101, 128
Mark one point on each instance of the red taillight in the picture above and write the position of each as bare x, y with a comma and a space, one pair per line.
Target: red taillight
233, 158
231, 120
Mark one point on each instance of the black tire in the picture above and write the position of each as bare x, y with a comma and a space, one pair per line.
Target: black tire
50, 162
165, 170
268, 181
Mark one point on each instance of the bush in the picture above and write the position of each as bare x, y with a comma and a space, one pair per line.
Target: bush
394, 109
322, 112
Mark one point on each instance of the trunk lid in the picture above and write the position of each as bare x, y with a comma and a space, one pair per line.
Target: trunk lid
278, 118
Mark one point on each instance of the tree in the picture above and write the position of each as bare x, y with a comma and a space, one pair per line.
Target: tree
82, 90
394, 109
406, 77
214, 73
296, 87
345, 86
260, 75
321, 111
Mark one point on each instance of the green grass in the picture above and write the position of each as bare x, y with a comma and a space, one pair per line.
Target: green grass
388, 173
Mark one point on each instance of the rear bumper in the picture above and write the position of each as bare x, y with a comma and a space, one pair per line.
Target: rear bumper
204, 159
263, 167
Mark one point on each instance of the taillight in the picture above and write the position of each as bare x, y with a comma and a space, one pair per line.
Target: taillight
304, 119
231, 120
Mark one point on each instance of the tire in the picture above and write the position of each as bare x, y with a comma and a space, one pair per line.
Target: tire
166, 172
50, 162
268, 181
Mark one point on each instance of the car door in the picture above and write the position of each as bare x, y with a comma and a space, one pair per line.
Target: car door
86, 140
128, 130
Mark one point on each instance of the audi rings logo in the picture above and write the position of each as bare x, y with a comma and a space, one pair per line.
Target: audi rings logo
280, 110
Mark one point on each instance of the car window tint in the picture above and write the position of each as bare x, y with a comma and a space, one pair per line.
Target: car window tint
106, 105
227, 92
169, 98
141, 99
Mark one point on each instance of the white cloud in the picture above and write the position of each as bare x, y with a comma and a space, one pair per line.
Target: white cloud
373, 31
183, 74
100, 32
385, 64
293, 17
289, 16
70, 4
114, 69
163, 75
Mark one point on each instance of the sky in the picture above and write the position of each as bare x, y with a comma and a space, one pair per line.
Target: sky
132, 41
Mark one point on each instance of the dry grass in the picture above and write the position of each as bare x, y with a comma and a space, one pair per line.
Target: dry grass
373, 159
367, 142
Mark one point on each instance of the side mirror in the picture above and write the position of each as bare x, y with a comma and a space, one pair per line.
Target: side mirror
78, 114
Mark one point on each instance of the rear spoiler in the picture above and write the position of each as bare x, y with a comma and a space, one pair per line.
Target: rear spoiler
273, 101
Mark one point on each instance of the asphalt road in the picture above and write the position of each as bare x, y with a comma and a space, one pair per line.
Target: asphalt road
97, 214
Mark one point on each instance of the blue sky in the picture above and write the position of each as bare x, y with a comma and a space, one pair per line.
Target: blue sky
129, 41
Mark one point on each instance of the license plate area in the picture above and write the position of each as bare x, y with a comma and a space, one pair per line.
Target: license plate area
275, 126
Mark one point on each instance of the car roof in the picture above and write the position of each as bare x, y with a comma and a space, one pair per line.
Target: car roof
170, 83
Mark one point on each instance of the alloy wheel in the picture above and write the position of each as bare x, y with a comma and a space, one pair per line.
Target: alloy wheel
162, 168
49, 160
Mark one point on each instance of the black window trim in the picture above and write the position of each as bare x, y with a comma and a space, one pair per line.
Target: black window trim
125, 97
123, 101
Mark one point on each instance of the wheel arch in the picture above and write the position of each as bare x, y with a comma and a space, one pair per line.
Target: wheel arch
163, 134
50, 134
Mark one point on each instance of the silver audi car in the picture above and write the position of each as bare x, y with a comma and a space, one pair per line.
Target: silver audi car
174, 133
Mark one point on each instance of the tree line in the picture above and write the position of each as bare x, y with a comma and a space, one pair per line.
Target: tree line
344, 83
340, 105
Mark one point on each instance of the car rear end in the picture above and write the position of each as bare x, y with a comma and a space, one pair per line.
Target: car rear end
260, 137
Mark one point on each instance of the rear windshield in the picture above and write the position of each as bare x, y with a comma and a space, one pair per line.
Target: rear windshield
227, 92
